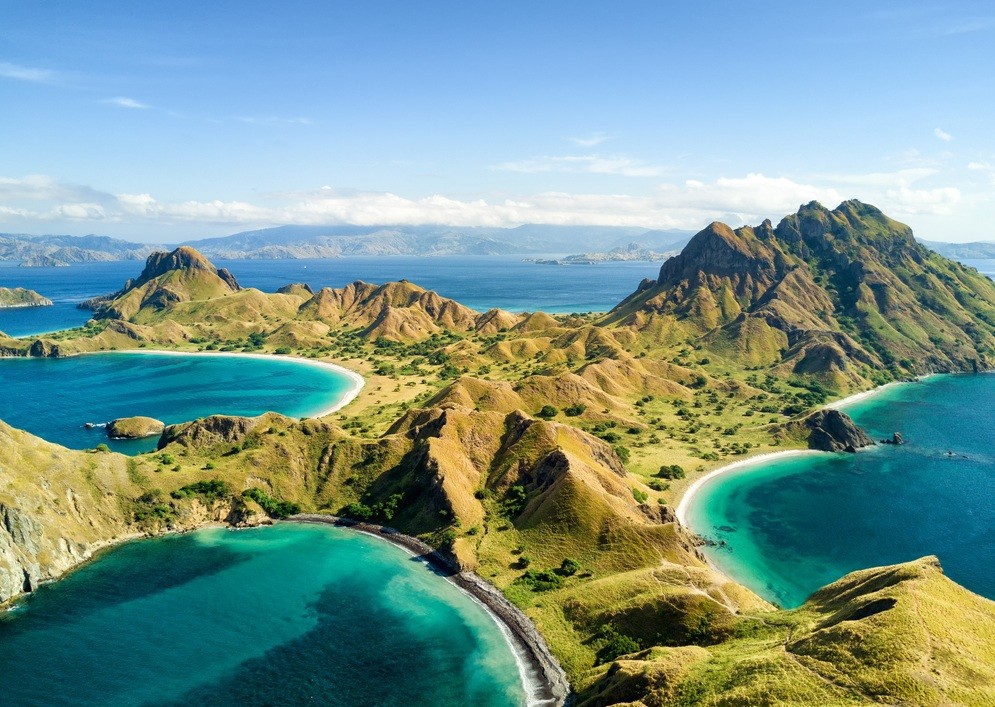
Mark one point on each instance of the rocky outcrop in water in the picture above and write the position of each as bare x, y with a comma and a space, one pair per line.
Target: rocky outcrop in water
834, 431
21, 297
135, 427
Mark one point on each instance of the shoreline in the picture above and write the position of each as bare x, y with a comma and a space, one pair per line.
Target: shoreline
696, 486
543, 679
351, 394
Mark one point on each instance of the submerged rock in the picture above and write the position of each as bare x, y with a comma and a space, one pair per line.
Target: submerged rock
135, 427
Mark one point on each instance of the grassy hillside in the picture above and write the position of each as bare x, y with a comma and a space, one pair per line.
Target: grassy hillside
546, 452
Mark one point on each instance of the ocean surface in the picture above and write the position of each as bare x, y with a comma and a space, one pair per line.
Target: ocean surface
291, 614
55, 398
479, 282
795, 524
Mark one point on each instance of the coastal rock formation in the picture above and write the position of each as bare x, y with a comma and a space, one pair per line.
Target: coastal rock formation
831, 431
134, 427
895, 439
21, 297
55, 509
213, 430
168, 279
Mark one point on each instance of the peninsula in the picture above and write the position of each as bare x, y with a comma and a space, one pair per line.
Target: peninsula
546, 453
21, 297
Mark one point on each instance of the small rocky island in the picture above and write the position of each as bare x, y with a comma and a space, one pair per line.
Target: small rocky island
21, 297
134, 428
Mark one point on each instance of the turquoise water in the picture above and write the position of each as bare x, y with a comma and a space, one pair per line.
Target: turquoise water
291, 614
795, 524
54, 398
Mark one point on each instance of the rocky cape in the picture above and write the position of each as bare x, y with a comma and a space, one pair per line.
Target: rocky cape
21, 297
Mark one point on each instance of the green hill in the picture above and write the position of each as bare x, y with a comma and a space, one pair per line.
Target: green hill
21, 297
546, 452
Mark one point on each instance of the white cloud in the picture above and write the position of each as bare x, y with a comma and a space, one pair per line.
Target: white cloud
742, 200
79, 212
592, 140
980, 166
583, 164
943, 135
939, 201
39, 187
125, 102
750, 198
26, 73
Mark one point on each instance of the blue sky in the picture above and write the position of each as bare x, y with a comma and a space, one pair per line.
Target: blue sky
163, 121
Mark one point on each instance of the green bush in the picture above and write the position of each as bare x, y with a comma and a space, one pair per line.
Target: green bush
540, 580
210, 490
622, 452
151, 509
357, 511
513, 502
672, 471
640, 496
569, 567
274, 507
614, 644
574, 410
547, 412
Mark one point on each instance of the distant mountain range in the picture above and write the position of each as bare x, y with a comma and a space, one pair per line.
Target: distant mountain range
587, 243
46, 251
293, 242
978, 250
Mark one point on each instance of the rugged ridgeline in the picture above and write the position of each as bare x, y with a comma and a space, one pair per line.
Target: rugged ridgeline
546, 452
847, 295
21, 297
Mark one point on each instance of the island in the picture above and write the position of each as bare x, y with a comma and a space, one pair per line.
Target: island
137, 427
544, 456
21, 297
631, 253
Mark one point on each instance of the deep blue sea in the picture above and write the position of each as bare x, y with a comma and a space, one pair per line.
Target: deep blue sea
286, 615
479, 282
796, 524
55, 398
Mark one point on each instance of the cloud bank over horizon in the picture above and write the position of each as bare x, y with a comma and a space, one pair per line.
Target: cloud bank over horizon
39, 200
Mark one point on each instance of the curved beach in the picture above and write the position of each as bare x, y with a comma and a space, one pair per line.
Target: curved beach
694, 488
357, 380
544, 680
685, 503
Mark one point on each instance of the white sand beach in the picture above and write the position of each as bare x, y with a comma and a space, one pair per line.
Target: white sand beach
688, 497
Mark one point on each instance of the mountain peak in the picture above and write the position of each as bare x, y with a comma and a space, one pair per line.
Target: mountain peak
183, 258
718, 250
